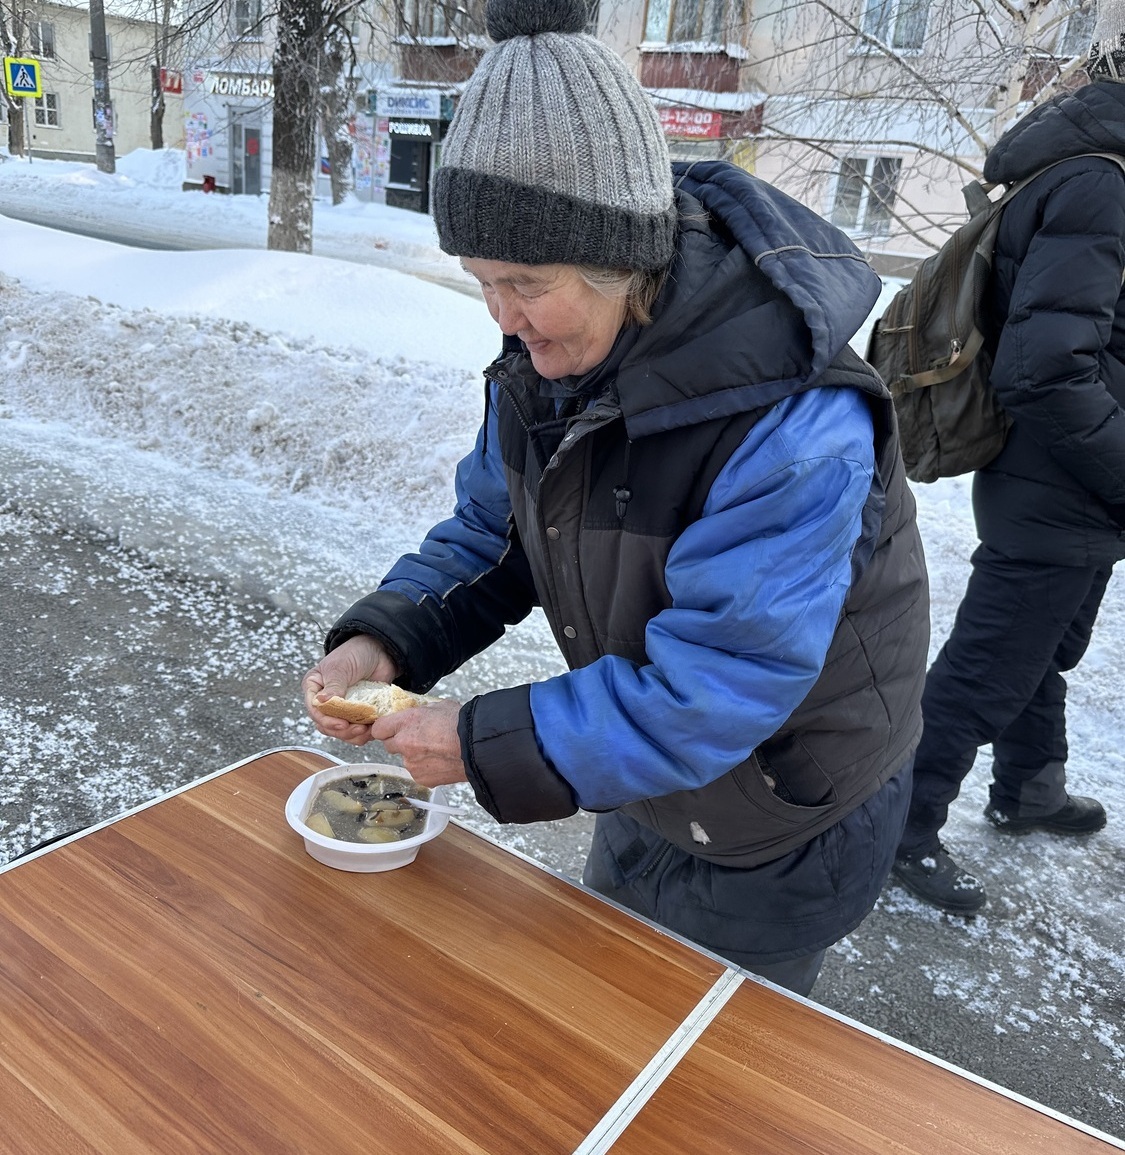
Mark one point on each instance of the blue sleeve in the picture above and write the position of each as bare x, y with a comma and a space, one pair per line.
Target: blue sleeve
757, 586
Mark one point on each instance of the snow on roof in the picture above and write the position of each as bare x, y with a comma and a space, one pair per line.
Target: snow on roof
139, 10
732, 48
716, 101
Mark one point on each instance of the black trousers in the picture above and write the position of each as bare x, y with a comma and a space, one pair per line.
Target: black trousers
998, 679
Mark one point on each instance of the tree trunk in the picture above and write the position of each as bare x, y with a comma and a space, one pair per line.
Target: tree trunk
337, 94
17, 144
295, 60
156, 110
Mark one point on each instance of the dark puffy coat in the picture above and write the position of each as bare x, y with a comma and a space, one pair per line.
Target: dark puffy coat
730, 565
1056, 493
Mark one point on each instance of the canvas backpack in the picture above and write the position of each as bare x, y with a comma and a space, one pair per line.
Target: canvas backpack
929, 347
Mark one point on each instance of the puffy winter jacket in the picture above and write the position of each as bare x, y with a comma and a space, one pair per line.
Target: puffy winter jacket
723, 542
1056, 493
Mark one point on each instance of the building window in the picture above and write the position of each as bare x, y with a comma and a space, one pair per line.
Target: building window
47, 110
897, 23
693, 21
42, 39
865, 194
108, 47
455, 19
1077, 31
246, 19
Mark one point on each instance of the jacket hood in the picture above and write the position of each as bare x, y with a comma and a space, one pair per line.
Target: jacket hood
762, 297
1090, 119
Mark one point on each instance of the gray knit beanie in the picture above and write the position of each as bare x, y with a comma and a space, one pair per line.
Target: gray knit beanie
1106, 60
555, 154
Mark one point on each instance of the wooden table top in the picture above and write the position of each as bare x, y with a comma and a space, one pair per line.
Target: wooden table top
188, 979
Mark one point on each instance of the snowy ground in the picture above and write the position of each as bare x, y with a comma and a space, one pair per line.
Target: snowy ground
287, 425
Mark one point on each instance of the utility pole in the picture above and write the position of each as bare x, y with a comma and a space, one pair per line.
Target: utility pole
103, 106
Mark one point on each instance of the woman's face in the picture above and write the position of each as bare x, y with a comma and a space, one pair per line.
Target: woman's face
567, 326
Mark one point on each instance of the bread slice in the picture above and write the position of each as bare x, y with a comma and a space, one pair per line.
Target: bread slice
367, 701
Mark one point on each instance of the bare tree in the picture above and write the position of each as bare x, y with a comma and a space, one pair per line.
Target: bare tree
930, 84
894, 101
337, 101
297, 57
13, 41
164, 37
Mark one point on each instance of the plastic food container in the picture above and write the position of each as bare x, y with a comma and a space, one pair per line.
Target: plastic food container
360, 856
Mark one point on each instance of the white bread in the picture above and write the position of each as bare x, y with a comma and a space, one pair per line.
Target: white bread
367, 701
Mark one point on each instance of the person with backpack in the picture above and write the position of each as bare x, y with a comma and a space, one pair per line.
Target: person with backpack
1050, 507
686, 467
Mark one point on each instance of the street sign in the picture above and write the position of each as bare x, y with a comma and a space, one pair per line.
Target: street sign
22, 77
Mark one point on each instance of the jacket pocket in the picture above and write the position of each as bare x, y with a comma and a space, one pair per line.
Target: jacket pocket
742, 813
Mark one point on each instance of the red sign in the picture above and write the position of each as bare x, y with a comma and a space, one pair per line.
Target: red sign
171, 81
691, 122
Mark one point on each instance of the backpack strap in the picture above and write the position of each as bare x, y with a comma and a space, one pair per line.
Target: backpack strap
976, 193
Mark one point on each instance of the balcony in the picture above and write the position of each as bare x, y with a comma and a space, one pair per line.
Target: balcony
436, 60
708, 68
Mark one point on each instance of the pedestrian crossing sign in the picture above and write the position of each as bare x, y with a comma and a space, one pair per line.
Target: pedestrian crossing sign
22, 77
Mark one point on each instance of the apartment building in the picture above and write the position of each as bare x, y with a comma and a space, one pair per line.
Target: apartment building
60, 123
875, 113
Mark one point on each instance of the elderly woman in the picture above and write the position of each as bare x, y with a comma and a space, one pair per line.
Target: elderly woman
683, 463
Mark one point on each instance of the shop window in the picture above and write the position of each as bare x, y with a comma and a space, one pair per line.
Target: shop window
1077, 31
47, 110
407, 167
865, 194
41, 36
246, 19
897, 23
687, 21
443, 18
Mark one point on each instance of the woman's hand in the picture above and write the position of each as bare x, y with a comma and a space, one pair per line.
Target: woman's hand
425, 737
360, 657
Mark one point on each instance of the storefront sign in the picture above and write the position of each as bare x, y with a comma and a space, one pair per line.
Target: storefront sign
691, 122
227, 84
419, 129
406, 103
171, 81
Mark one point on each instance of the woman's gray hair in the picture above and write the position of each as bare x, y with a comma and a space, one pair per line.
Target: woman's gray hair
638, 288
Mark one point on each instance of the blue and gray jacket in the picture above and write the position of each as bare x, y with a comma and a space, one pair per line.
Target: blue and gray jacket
717, 525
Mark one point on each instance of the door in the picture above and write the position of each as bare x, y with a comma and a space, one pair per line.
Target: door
252, 160
245, 157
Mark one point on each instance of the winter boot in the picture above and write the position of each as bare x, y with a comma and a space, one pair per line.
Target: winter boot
1078, 816
938, 880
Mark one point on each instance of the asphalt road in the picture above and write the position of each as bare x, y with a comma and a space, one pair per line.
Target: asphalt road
141, 234
137, 236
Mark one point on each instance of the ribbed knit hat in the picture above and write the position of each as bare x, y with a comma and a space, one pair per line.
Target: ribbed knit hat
1106, 60
555, 154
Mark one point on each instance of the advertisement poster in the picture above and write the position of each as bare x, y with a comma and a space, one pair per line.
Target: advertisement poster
197, 140
363, 154
382, 162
